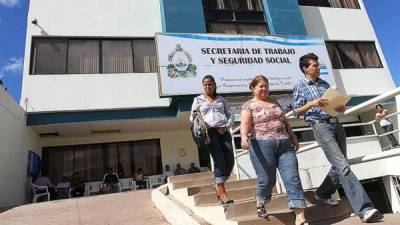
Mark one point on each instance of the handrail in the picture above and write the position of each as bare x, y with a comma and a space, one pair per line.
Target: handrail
373, 101
349, 111
372, 157
387, 133
344, 125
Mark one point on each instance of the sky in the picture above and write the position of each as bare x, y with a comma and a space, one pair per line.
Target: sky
384, 15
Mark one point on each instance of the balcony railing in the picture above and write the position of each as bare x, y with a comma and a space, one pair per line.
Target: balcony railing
312, 145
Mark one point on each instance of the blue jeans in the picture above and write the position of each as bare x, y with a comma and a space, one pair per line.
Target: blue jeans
393, 140
113, 188
221, 151
332, 139
266, 156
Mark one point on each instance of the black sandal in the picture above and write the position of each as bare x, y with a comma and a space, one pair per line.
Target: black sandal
222, 202
262, 212
227, 202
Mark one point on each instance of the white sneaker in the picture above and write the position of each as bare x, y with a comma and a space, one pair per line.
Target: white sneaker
371, 215
331, 201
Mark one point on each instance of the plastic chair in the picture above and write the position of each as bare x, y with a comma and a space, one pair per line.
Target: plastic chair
156, 180
37, 195
127, 184
92, 187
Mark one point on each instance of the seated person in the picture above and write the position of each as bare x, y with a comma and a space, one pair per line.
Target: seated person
77, 185
179, 170
63, 188
44, 181
167, 173
193, 168
111, 180
138, 177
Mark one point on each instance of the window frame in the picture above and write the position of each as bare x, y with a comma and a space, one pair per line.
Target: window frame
341, 1
241, 10
355, 43
234, 21
33, 53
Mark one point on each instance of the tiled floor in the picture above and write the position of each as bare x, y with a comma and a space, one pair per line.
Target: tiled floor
127, 208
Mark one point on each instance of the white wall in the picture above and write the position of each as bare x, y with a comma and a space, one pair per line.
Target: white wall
122, 18
315, 163
364, 82
91, 18
172, 143
16, 140
337, 24
91, 92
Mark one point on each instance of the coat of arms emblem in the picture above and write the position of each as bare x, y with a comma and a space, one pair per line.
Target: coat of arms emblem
181, 64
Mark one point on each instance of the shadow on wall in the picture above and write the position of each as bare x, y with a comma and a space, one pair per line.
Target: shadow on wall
316, 26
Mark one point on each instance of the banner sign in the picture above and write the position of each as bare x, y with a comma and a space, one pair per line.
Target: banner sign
233, 60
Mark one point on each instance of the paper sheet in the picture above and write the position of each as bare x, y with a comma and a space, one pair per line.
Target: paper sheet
335, 99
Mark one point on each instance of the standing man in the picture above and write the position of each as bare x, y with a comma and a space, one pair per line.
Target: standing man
386, 124
332, 139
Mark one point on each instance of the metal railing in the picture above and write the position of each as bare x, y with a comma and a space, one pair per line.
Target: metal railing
312, 145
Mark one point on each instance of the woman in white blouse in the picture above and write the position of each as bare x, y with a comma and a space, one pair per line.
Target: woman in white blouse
218, 118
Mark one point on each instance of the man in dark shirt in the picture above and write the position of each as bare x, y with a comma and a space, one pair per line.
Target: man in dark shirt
111, 180
193, 168
179, 170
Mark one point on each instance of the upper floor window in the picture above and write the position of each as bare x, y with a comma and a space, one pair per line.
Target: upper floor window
92, 56
351, 4
235, 17
353, 55
253, 5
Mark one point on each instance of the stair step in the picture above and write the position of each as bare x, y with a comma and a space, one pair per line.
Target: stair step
230, 185
190, 177
236, 194
278, 202
248, 208
193, 183
286, 216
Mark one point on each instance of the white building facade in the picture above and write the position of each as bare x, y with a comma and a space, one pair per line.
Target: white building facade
91, 91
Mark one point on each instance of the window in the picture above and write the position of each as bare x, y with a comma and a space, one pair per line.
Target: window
50, 56
145, 59
305, 136
91, 161
255, 5
117, 56
235, 17
351, 4
83, 56
353, 55
93, 56
308, 135
355, 131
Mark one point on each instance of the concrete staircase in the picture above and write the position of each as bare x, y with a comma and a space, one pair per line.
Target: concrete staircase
196, 194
